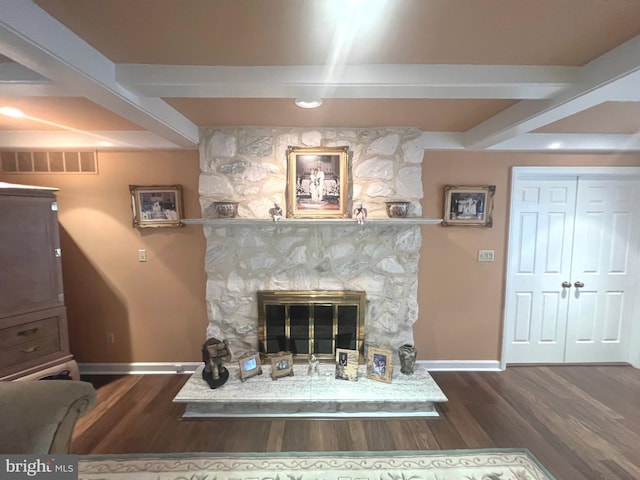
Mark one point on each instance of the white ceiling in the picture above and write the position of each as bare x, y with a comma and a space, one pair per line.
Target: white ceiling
472, 74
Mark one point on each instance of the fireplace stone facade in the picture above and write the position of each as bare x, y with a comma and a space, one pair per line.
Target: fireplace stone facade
249, 165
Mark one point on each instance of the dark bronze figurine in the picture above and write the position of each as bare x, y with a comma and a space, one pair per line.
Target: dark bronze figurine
214, 352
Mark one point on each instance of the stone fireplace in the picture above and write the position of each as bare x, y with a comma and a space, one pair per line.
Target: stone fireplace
248, 165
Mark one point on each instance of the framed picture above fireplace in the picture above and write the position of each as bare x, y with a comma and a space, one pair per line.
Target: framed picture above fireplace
317, 182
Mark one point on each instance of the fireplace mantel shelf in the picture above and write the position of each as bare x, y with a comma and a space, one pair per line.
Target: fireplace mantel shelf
311, 221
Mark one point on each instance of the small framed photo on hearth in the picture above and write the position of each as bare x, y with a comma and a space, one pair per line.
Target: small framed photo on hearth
250, 365
347, 364
379, 364
281, 365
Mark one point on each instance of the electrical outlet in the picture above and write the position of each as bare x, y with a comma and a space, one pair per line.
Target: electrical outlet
111, 338
485, 255
142, 255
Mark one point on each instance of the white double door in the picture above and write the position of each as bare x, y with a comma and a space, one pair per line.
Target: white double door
572, 271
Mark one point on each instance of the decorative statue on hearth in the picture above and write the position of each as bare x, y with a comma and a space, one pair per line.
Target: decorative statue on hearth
313, 366
214, 352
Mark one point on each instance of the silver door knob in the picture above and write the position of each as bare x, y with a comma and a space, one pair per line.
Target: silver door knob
578, 284
566, 284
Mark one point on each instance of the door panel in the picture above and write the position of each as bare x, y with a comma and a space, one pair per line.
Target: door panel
604, 260
551, 303
540, 253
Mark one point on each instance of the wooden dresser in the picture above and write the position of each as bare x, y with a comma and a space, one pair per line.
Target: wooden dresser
34, 341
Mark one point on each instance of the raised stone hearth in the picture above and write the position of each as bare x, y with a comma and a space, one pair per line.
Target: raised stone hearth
319, 396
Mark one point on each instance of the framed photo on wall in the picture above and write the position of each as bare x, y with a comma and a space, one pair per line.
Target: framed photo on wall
156, 206
317, 182
379, 364
468, 205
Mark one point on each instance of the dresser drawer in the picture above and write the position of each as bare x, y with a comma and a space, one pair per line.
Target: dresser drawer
28, 332
29, 351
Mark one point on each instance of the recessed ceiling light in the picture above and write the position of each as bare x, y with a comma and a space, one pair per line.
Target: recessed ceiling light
554, 145
11, 112
308, 102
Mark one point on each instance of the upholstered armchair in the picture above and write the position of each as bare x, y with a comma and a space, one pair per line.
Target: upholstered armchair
38, 416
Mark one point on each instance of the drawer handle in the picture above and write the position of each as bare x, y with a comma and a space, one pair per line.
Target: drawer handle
31, 349
26, 333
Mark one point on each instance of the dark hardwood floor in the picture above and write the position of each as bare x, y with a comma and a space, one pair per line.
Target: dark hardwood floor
581, 422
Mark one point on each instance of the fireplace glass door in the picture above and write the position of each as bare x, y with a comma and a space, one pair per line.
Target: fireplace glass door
310, 322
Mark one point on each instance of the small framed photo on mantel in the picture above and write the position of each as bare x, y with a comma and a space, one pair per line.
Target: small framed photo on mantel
468, 205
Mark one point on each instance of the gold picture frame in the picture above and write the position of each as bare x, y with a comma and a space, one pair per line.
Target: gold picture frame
281, 365
249, 365
379, 364
156, 206
317, 182
466, 205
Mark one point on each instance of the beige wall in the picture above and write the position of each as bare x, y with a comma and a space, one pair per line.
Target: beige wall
157, 309
461, 300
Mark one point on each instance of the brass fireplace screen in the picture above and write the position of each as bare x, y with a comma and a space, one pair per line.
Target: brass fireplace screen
306, 322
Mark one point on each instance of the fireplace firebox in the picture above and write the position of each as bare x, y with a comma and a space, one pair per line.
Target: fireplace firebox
311, 322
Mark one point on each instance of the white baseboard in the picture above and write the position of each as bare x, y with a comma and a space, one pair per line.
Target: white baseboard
138, 368
146, 368
460, 365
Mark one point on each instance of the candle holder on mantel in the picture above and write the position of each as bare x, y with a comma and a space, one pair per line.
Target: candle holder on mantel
397, 209
226, 209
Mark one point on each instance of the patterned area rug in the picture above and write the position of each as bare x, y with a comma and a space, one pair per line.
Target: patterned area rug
494, 464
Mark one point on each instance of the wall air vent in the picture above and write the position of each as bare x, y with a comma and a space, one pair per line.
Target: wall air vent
49, 162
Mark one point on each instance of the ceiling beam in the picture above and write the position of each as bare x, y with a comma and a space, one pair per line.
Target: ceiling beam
12, 72
98, 140
600, 80
18, 81
347, 81
571, 142
140, 139
540, 142
36, 40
